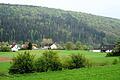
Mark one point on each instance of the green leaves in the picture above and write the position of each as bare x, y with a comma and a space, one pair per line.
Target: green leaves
49, 61
23, 63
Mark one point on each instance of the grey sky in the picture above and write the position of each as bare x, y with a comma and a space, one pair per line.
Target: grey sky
109, 8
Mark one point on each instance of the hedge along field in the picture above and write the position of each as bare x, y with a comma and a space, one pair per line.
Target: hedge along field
96, 58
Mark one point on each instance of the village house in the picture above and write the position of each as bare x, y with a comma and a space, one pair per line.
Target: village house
24, 46
107, 48
53, 46
34, 46
14, 47
104, 48
50, 46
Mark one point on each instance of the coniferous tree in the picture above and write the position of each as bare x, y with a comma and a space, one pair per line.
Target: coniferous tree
30, 46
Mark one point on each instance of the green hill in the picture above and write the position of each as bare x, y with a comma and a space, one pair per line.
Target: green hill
22, 22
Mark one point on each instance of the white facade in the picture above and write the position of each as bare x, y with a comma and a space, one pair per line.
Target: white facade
96, 50
100, 51
109, 51
34, 48
53, 46
45, 47
15, 48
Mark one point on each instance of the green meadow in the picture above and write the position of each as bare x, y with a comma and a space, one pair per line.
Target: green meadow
105, 71
93, 56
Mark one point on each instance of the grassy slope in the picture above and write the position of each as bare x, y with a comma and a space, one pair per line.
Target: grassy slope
96, 73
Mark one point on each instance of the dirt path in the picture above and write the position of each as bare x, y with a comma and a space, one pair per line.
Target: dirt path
5, 59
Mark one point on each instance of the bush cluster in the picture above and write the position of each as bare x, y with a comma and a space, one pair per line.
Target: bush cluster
23, 63
76, 61
48, 61
4, 47
75, 46
115, 51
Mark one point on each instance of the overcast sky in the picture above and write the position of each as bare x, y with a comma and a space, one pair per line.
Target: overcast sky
109, 8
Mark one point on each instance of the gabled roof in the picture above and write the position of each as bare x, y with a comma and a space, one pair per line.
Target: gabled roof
13, 45
108, 47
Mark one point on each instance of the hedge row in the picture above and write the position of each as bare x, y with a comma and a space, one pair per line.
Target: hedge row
48, 61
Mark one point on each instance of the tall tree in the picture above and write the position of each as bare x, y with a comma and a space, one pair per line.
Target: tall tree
30, 46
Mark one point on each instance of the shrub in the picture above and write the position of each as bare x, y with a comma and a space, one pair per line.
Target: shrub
76, 61
115, 61
49, 61
4, 47
70, 46
30, 46
23, 63
66, 62
109, 54
116, 50
40, 65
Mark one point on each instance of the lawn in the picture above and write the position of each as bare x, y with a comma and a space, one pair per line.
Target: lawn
4, 66
108, 72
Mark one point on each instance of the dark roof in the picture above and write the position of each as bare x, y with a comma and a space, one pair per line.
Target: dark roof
13, 45
108, 47
47, 44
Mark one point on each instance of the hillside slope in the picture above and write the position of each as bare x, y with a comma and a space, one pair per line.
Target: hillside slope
21, 23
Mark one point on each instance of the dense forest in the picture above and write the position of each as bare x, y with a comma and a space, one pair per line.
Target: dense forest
22, 23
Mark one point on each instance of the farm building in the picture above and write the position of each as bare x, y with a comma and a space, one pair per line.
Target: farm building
107, 48
50, 46
53, 46
104, 48
14, 47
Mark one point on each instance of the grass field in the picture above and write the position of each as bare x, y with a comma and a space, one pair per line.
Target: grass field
94, 57
108, 72
111, 72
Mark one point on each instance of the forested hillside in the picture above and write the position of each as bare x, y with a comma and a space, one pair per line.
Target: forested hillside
22, 23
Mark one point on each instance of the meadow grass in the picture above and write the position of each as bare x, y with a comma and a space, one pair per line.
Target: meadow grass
109, 72
4, 66
94, 57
